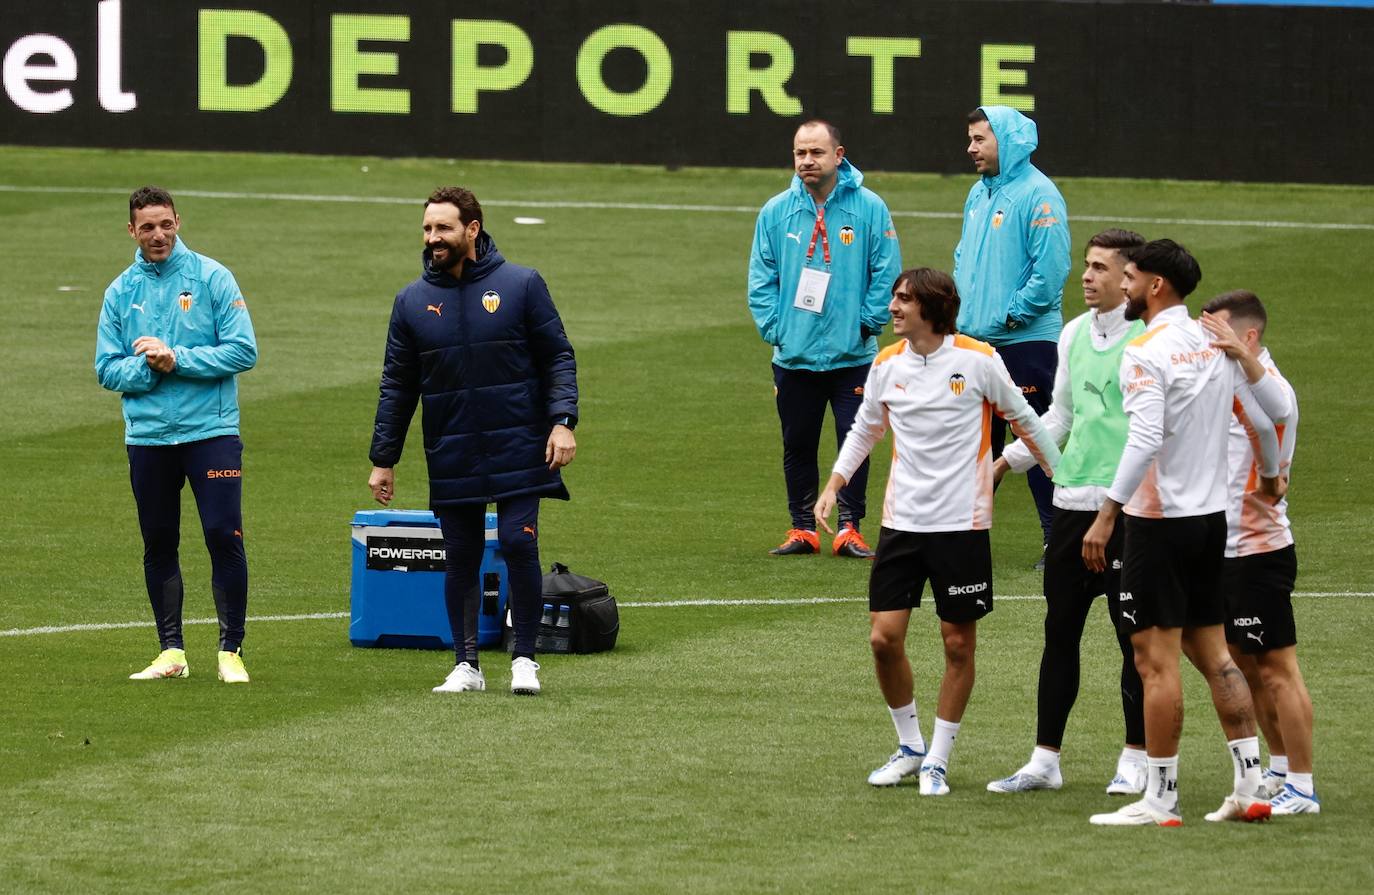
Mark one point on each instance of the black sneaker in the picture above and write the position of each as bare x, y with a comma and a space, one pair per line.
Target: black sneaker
850, 543
799, 541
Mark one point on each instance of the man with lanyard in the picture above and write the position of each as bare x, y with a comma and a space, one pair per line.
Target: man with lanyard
824, 258
1179, 392
1087, 422
1258, 576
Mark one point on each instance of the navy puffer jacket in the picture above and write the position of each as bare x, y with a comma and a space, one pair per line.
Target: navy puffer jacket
487, 356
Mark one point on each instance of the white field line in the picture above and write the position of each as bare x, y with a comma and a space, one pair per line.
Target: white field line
638, 604
662, 206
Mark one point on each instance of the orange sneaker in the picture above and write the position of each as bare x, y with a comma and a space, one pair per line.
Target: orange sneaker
850, 543
799, 542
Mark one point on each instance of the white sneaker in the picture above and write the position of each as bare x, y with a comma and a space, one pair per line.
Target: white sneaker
1290, 801
524, 678
1246, 809
933, 780
1129, 780
903, 763
1026, 780
1139, 814
1271, 784
462, 678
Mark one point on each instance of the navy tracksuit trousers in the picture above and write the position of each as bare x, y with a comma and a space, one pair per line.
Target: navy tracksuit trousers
802, 397
1032, 366
517, 531
214, 467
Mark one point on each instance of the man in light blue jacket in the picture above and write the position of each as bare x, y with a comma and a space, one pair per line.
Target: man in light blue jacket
174, 333
1010, 265
821, 270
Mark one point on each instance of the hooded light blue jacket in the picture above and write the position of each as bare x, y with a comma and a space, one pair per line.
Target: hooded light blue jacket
1013, 253
865, 261
193, 305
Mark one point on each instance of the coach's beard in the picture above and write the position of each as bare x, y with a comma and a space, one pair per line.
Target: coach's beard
451, 255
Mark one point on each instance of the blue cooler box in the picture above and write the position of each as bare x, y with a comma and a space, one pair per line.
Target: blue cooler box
398, 582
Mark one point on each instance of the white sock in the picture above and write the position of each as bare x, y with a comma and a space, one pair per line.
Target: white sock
1278, 764
1161, 788
908, 727
1301, 782
942, 742
1246, 764
1043, 761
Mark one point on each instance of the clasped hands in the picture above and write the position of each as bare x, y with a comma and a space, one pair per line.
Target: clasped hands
160, 358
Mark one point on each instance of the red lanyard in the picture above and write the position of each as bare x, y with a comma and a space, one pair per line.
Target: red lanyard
819, 229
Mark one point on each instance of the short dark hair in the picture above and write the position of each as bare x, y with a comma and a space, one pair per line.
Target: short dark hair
1114, 238
1169, 260
936, 294
977, 115
830, 129
149, 197
1241, 304
469, 209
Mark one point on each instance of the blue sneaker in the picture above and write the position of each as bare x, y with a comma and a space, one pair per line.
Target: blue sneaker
905, 762
1025, 780
1290, 801
1271, 784
933, 780
1129, 780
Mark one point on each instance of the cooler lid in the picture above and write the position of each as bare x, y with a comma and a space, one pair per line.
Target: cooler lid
395, 517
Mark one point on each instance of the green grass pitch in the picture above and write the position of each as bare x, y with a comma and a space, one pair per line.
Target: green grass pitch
719, 748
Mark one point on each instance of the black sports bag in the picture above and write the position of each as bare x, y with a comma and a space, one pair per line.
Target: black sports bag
579, 615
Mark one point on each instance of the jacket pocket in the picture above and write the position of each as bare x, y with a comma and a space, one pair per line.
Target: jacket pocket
143, 416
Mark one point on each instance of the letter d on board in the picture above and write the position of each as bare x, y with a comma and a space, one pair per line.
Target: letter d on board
216, 93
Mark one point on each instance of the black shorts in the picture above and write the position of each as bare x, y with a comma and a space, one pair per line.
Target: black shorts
1066, 576
1171, 572
1259, 600
958, 565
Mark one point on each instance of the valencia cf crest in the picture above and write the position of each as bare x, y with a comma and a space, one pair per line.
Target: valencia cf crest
847, 235
997, 220
184, 299
491, 301
956, 383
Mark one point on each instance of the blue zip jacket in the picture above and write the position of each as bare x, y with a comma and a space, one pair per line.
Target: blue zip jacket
487, 357
192, 304
865, 261
1013, 253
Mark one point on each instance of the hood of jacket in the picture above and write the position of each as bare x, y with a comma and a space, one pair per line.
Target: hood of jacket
1017, 137
847, 177
180, 255
488, 259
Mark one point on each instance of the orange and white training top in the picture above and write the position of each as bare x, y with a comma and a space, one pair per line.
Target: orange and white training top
1179, 394
939, 407
1253, 523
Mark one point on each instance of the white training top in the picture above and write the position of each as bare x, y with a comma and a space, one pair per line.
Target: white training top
1105, 330
939, 407
1179, 393
1253, 523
